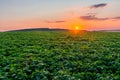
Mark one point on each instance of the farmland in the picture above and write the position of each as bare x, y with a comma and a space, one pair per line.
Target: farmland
52, 55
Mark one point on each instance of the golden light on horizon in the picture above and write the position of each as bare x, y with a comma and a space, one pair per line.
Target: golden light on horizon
76, 27
75, 30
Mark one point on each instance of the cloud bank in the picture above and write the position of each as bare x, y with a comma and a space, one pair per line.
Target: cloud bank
98, 6
118, 17
60, 21
92, 17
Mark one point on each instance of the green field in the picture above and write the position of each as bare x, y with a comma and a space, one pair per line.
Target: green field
59, 56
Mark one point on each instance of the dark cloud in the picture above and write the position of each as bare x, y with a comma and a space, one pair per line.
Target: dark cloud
116, 17
91, 13
59, 21
55, 21
92, 17
98, 5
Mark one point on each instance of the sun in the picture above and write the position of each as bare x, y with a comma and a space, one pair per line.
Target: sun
76, 27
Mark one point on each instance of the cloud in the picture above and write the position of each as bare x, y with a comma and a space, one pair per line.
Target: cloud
60, 21
92, 17
98, 5
91, 13
118, 17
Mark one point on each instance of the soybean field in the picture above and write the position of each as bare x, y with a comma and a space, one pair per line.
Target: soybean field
59, 55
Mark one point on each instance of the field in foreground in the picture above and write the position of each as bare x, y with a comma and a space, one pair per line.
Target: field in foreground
60, 56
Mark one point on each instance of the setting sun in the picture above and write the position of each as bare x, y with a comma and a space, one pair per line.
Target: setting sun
77, 28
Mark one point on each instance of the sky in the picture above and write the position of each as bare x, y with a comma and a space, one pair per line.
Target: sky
86, 14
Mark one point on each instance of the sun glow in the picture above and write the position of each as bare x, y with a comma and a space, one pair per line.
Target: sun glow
75, 30
76, 27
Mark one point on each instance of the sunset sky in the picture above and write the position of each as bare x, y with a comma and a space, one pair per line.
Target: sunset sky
87, 14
